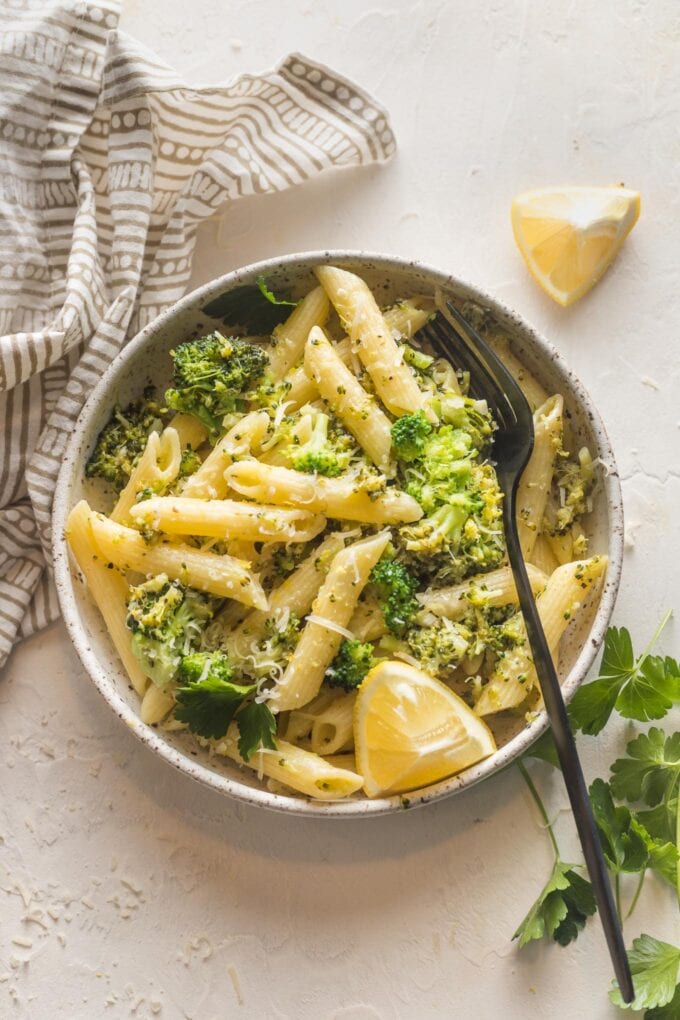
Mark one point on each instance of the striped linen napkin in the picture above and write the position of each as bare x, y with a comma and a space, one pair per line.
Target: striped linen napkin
108, 162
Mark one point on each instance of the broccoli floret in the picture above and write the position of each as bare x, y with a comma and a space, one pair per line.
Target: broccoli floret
460, 496
463, 535
212, 376
409, 435
396, 588
121, 442
472, 416
442, 528
326, 452
351, 664
166, 621
574, 480
199, 666
207, 697
439, 646
443, 468
189, 462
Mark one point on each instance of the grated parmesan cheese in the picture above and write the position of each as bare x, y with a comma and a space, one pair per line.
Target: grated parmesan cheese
321, 621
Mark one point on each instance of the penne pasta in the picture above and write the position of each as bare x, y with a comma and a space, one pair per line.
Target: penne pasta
394, 380
334, 497
227, 518
156, 469
342, 761
298, 724
223, 576
543, 557
515, 675
189, 429
156, 705
107, 587
534, 485
493, 589
294, 595
247, 434
405, 319
332, 729
288, 339
348, 400
295, 767
367, 623
335, 603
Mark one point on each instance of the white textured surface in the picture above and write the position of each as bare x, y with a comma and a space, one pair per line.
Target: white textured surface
144, 895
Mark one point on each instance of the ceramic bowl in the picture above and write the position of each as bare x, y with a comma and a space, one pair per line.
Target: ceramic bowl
145, 358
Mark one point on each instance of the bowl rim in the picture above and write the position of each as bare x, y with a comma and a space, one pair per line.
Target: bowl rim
261, 797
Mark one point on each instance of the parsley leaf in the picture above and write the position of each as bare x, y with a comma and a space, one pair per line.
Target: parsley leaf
651, 769
643, 688
562, 909
270, 296
257, 728
623, 838
209, 705
654, 966
671, 1011
660, 822
663, 859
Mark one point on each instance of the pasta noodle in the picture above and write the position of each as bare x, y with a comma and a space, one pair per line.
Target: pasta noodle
156, 470
534, 486
295, 595
332, 729
347, 398
227, 518
219, 575
334, 497
336, 601
496, 588
192, 433
394, 380
107, 587
208, 482
296, 767
515, 674
288, 340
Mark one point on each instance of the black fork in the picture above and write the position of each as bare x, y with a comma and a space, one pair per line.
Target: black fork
456, 340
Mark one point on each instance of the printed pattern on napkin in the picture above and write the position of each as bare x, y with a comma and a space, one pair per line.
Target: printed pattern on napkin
108, 162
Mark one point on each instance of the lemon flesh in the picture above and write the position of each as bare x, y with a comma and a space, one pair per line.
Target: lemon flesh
411, 731
570, 236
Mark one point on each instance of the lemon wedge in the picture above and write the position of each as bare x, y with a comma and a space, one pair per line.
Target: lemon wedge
410, 730
570, 236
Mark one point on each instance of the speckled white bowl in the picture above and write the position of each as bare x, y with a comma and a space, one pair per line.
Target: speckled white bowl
145, 359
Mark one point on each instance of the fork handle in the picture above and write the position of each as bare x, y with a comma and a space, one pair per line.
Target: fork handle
568, 756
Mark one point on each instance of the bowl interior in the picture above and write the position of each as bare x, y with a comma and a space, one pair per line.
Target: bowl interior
145, 360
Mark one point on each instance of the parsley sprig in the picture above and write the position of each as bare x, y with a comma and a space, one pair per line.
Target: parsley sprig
566, 901
638, 836
644, 688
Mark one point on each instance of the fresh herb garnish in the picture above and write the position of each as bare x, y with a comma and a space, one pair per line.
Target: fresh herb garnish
207, 696
257, 729
654, 966
270, 296
643, 688
566, 901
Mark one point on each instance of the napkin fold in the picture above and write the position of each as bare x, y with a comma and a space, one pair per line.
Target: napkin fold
108, 163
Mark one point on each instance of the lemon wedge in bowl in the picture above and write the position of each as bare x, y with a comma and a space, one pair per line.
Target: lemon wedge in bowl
410, 730
569, 236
